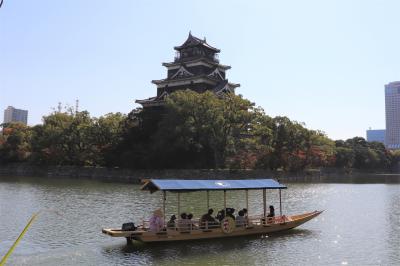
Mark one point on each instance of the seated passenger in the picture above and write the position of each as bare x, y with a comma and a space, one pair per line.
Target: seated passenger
208, 219
183, 223
245, 212
271, 214
271, 211
240, 219
221, 215
156, 221
230, 212
190, 222
246, 215
171, 222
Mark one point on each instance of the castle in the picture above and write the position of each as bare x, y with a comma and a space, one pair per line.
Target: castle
196, 67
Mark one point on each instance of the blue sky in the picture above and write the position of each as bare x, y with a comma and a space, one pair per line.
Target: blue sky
324, 63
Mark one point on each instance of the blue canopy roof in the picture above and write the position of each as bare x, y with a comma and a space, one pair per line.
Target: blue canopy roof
178, 185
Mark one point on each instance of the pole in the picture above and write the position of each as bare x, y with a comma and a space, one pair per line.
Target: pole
247, 201
179, 204
225, 201
208, 200
265, 201
164, 199
280, 202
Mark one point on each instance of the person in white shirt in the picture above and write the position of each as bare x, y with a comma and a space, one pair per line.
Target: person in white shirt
240, 219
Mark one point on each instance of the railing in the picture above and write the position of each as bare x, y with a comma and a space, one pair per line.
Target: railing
178, 57
196, 225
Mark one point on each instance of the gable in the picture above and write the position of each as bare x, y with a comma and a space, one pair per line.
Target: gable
182, 72
216, 74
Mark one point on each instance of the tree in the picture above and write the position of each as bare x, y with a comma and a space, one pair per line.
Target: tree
360, 154
136, 139
63, 139
105, 135
191, 130
201, 129
345, 157
75, 138
288, 144
395, 159
320, 150
15, 142
253, 144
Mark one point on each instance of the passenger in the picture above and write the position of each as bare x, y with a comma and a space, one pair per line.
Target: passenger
183, 215
183, 223
271, 214
156, 221
240, 219
230, 212
208, 219
221, 215
246, 215
271, 211
171, 222
245, 212
190, 222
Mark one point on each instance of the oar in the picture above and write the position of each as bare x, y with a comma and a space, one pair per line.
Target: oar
4, 259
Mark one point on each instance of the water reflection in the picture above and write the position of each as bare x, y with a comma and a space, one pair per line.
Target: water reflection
392, 200
224, 251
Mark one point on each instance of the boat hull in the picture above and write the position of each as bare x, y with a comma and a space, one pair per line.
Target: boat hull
174, 235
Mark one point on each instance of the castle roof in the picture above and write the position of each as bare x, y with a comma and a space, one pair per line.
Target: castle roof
193, 41
197, 61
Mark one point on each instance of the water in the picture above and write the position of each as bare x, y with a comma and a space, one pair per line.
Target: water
360, 225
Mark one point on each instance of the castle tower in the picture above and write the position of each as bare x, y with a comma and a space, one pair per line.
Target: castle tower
196, 67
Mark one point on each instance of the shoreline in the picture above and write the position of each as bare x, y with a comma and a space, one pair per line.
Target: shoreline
118, 175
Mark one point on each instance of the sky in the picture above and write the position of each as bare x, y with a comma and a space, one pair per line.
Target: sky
324, 63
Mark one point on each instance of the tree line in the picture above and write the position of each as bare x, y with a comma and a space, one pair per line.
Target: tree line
190, 131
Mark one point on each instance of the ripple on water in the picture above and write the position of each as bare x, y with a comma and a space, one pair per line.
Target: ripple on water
337, 237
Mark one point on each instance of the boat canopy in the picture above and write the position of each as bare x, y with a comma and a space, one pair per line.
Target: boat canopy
179, 185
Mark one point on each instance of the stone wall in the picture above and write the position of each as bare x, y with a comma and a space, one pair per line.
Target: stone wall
397, 168
134, 176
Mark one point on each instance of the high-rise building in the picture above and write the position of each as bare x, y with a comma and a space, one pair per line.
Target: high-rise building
376, 135
12, 114
392, 104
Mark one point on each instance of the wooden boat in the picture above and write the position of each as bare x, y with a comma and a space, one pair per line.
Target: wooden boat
227, 227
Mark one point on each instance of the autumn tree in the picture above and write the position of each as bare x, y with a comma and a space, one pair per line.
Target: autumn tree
15, 142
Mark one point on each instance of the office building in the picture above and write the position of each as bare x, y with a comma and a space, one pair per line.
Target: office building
392, 108
376, 135
12, 114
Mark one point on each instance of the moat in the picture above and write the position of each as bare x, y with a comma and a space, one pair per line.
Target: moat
360, 225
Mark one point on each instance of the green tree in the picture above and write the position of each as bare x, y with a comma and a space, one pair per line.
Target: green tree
320, 150
136, 139
15, 142
288, 144
203, 128
64, 139
345, 157
361, 154
395, 159
254, 147
105, 135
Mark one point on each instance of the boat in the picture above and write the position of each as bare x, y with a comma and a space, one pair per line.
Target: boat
260, 224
